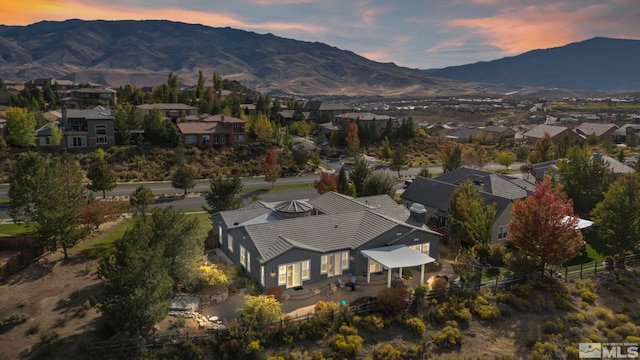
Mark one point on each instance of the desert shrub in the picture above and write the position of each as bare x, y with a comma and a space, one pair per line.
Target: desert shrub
274, 291
439, 283
603, 314
348, 345
487, 312
14, 319
588, 296
387, 351
576, 318
372, 323
545, 351
551, 327
33, 329
522, 290
417, 327
625, 330
633, 339
585, 284
49, 336
449, 337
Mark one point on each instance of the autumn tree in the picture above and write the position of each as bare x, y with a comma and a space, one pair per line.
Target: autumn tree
451, 156
359, 173
470, 217
617, 216
352, 139
184, 178
21, 126
222, 194
544, 226
271, 167
585, 178
101, 176
327, 182
261, 128
543, 150
96, 213
398, 160
506, 159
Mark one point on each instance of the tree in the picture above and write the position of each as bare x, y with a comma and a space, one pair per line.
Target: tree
271, 167
155, 130
222, 194
352, 139
56, 135
58, 204
451, 157
359, 173
327, 182
385, 149
217, 84
97, 213
522, 153
398, 160
101, 176
23, 188
262, 129
200, 87
544, 227
300, 155
425, 173
140, 200
342, 182
137, 286
468, 215
183, 178
506, 159
260, 309
21, 125
617, 216
585, 178
543, 150
378, 183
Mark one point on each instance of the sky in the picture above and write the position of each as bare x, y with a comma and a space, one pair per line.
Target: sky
420, 34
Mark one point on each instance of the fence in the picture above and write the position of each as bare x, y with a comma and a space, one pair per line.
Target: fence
23, 250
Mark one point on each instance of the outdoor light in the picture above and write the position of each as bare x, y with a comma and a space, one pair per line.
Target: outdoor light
273, 274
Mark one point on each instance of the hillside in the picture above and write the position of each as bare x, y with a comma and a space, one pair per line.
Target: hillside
142, 53
594, 64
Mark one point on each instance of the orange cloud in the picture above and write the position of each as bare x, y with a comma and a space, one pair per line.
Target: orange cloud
380, 55
37, 10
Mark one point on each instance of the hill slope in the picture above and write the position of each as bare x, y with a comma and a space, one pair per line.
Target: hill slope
594, 64
144, 52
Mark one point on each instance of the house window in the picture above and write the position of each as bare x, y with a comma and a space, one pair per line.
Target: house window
216, 139
101, 134
238, 127
292, 275
239, 138
502, 232
333, 264
374, 266
282, 275
206, 139
306, 275
230, 243
423, 248
262, 275
191, 139
248, 261
77, 141
243, 256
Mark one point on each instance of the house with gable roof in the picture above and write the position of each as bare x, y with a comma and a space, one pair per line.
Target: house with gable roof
601, 131
557, 133
213, 130
296, 243
81, 128
435, 195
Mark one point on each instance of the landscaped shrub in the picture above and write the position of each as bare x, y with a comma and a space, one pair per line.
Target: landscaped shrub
347, 345
417, 327
487, 312
274, 291
371, 323
522, 290
392, 301
449, 337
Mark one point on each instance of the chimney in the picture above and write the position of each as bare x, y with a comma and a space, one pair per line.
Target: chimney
221, 117
418, 213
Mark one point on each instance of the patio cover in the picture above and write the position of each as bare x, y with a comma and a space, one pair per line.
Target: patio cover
397, 256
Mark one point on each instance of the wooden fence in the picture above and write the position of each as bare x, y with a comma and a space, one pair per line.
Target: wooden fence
22, 251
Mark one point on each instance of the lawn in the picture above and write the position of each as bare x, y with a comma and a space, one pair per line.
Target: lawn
16, 229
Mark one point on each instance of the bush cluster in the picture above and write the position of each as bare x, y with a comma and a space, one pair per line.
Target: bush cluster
449, 337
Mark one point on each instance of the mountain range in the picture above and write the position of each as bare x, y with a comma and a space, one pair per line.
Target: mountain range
142, 53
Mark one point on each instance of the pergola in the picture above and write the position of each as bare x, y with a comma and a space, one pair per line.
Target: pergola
396, 257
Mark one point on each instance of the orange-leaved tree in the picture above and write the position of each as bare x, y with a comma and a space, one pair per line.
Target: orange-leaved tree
544, 227
328, 182
353, 140
271, 167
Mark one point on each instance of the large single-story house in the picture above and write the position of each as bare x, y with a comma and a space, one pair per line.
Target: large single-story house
601, 131
557, 134
620, 135
81, 128
435, 195
492, 134
296, 243
214, 130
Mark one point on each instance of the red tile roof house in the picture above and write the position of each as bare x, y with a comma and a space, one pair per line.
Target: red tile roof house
214, 130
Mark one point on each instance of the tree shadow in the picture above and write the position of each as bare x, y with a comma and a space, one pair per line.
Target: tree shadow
79, 300
30, 272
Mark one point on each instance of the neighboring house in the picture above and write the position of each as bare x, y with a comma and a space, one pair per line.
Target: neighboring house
435, 195
599, 130
494, 134
319, 111
463, 133
5, 95
214, 130
81, 128
367, 118
171, 111
90, 97
296, 243
557, 133
539, 170
620, 135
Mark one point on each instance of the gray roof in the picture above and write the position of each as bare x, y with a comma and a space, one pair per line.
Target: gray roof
97, 113
397, 256
236, 217
596, 128
492, 183
464, 133
616, 166
293, 206
333, 203
539, 131
495, 128
166, 106
45, 130
365, 116
622, 131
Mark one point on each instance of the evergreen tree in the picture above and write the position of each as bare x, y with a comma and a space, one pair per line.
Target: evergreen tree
23, 188
140, 200
378, 183
101, 176
385, 149
222, 194
343, 182
398, 160
359, 173
451, 157
183, 178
